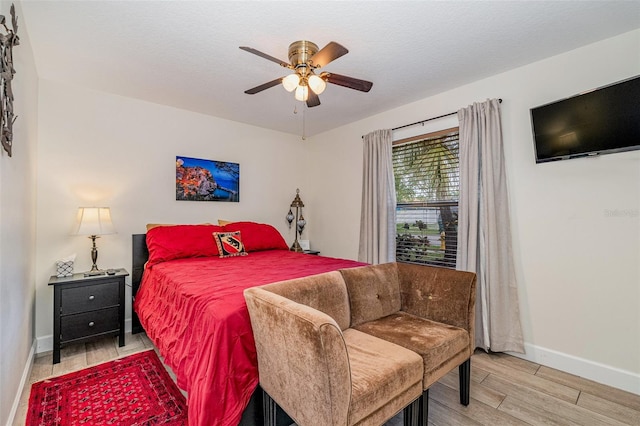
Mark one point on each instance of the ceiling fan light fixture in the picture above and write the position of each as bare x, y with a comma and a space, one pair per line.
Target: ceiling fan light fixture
317, 84
302, 93
290, 82
304, 60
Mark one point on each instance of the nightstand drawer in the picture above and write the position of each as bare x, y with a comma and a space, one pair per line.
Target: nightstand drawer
89, 323
89, 298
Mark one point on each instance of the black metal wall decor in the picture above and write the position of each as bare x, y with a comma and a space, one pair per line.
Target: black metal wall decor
8, 39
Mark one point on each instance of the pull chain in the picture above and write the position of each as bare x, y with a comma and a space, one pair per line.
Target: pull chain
304, 122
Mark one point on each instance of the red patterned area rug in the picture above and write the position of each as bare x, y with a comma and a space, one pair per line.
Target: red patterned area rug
135, 390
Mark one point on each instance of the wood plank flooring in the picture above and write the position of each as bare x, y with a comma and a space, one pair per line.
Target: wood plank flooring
504, 390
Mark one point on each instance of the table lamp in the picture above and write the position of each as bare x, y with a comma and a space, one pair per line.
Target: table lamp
94, 221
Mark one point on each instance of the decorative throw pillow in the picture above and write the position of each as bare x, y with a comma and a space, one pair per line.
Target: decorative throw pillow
229, 244
181, 241
258, 236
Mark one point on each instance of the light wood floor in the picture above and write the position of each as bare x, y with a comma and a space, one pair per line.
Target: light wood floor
504, 390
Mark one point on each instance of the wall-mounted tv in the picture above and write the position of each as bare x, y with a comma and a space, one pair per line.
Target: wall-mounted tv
602, 121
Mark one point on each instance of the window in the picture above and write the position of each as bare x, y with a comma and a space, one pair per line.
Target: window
427, 177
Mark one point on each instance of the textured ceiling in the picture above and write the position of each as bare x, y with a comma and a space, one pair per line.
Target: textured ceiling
185, 53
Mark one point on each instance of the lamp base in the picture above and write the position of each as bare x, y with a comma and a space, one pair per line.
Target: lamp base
296, 247
94, 258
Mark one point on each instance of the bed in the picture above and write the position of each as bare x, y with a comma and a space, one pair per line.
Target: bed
189, 300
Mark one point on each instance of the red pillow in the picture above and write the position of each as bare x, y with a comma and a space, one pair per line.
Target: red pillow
179, 241
258, 236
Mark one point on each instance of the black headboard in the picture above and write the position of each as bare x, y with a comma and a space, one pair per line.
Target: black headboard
140, 255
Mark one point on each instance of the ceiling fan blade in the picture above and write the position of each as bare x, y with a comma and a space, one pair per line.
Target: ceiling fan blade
330, 52
264, 55
350, 82
313, 99
264, 86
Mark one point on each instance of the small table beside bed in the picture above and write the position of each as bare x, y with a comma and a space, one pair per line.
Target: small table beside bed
189, 300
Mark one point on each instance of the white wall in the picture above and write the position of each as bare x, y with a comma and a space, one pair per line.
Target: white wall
575, 223
105, 150
17, 228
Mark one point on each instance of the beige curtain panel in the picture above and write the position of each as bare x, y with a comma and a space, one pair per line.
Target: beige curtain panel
378, 214
484, 228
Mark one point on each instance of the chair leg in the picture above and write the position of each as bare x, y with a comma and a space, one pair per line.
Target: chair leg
411, 413
465, 381
269, 409
423, 411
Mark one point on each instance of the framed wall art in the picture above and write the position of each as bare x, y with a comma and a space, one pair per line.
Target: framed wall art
207, 180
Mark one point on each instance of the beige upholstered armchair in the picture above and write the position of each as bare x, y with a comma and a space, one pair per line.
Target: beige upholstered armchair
426, 309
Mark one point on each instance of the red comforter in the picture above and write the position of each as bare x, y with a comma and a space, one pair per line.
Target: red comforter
194, 312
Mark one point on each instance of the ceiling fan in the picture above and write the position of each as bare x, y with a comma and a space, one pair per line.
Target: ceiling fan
304, 60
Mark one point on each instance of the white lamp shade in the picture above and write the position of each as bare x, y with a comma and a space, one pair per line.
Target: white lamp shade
317, 84
94, 221
290, 82
302, 93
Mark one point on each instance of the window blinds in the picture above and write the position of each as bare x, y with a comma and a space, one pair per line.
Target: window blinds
427, 178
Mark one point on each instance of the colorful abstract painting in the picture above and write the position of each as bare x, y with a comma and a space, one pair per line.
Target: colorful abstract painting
207, 180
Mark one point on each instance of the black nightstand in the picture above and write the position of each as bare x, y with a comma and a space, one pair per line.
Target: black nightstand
87, 307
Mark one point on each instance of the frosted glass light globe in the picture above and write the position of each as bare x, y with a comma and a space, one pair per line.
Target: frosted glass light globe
290, 82
317, 84
302, 93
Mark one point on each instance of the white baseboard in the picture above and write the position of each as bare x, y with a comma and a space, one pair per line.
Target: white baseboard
45, 343
601, 373
24, 380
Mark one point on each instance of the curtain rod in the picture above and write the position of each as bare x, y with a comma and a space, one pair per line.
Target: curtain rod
428, 119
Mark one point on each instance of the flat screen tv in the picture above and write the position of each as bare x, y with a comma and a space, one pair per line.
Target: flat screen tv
602, 121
